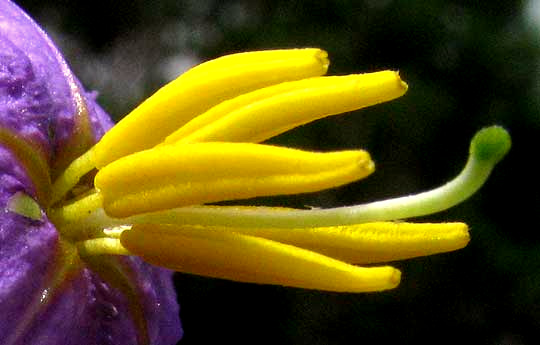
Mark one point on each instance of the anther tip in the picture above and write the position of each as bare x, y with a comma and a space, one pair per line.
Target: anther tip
490, 144
403, 85
394, 278
322, 57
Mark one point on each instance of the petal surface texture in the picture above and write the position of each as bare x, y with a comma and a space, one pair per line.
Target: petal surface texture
48, 295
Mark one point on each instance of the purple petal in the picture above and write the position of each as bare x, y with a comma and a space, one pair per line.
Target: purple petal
36, 91
26, 248
38, 103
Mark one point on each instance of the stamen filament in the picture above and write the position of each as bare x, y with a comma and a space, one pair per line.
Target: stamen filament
75, 211
102, 246
71, 175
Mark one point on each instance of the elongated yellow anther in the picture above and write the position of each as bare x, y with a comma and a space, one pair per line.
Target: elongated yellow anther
200, 89
371, 242
251, 259
262, 56
264, 113
359, 243
180, 175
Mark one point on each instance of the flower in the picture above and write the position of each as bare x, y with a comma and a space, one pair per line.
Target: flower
147, 189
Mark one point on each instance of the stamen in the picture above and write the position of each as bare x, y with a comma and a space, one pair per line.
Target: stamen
264, 113
263, 56
358, 243
370, 242
180, 175
200, 89
250, 259
75, 211
71, 175
487, 149
102, 246
115, 231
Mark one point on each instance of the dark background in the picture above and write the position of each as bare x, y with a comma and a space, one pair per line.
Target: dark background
468, 64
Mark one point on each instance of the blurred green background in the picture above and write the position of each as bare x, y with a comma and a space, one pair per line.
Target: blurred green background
468, 64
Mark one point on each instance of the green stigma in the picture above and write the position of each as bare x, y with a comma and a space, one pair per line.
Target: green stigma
490, 144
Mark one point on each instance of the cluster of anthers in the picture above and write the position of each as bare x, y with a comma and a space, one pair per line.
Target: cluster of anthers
197, 141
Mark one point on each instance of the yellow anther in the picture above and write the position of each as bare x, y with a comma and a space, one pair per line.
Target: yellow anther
371, 242
276, 56
200, 89
245, 258
264, 113
180, 175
